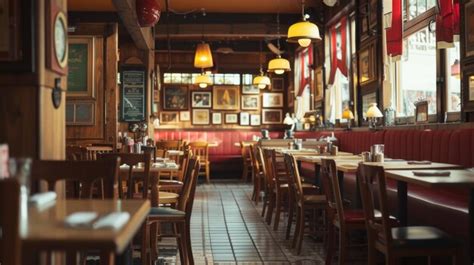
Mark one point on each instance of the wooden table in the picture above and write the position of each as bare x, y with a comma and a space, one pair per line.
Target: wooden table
46, 230
459, 179
351, 166
155, 170
246, 143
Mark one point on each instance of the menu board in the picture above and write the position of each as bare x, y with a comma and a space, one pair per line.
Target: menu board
133, 100
77, 67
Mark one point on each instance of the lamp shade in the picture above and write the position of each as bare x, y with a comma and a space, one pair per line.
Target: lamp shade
261, 81
303, 33
373, 111
203, 56
288, 120
203, 80
148, 12
279, 65
347, 114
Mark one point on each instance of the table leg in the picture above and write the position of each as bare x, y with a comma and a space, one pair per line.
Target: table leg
340, 177
402, 202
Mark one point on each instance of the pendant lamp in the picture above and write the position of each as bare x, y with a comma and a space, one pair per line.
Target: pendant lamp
203, 80
262, 80
203, 56
303, 32
278, 65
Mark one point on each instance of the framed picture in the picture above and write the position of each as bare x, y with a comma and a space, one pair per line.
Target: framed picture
291, 96
201, 99
250, 89
421, 111
272, 100
469, 27
201, 117
133, 100
175, 97
80, 113
255, 119
318, 84
277, 84
250, 102
80, 78
373, 13
272, 116
184, 116
226, 98
216, 118
367, 65
231, 118
244, 118
471, 87
169, 117
364, 21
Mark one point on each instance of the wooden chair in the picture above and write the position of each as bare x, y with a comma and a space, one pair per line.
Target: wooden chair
257, 171
74, 152
181, 216
246, 161
304, 202
91, 152
398, 242
166, 145
171, 185
201, 150
267, 180
151, 150
10, 242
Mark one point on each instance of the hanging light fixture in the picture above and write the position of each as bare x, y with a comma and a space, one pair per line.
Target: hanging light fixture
203, 56
278, 65
303, 32
203, 80
262, 80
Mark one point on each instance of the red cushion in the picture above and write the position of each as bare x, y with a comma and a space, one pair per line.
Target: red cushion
354, 216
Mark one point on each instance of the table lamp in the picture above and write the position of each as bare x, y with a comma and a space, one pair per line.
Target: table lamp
349, 116
289, 121
372, 114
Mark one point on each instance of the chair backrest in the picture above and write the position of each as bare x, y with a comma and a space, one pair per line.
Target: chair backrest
263, 166
74, 152
278, 167
169, 145
275, 142
9, 222
373, 192
294, 178
183, 165
87, 173
132, 160
91, 152
254, 161
188, 182
151, 150
201, 150
331, 187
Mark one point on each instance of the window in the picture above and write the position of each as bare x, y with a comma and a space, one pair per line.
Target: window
414, 8
453, 79
417, 73
188, 78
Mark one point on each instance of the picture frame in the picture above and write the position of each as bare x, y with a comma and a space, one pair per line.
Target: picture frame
272, 100
244, 119
278, 84
231, 118
255, 120
80, 113
272, 116
318, 85
250, 102
169, 117
201, 99
133, 93
201, 117
471, 87
184, 116
250, 90
364, 21
421, 112
175, 97
226, 98
372, 13
216, 118
469, 28
366, 65
81, 64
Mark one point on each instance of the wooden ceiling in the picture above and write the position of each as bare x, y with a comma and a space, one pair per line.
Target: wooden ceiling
210, 6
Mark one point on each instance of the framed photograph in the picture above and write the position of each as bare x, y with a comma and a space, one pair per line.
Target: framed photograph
254, 119
469, 27
231, 118
184, 116
318, 84
471, 87
201, 99
133, 98
80, 78
175, 97
169, 117
272, 100
250, 102
367, 65
250, 89
277, 84
244, 118
201, 117
421, 111
80, 113
216, 118
226, 98
272, 116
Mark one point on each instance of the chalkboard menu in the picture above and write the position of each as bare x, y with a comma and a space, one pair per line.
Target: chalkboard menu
77, 62
133, 100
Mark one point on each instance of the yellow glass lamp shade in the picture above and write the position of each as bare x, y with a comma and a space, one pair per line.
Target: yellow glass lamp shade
203, 80
203, 56
347, 114
261, 81
303, 33
279, 65
374, 112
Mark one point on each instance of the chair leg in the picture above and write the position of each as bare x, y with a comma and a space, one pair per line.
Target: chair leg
331, 243
258, 189
271, 206
301, 228
297, 228
371, 250
181, 244
153, 245
208, 173
188, 243
245, 172
265, 203
342, 246
107, 258
291, 208
145, 243
278, 206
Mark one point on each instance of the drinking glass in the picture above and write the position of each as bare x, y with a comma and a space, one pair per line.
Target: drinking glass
20, 168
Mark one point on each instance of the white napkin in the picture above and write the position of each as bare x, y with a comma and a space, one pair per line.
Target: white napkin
113, 221
80, 219
171, 165
173, 152
44, 198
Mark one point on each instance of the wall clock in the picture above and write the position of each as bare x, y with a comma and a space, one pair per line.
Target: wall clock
56, 37
60, 39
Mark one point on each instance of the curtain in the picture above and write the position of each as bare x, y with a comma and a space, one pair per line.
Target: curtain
394, 32
302, 71
338, 34
447, 23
